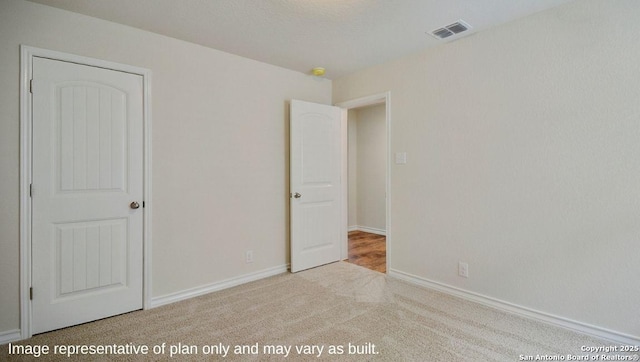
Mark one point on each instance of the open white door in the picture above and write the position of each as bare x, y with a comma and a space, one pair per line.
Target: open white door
315, 185
87, 207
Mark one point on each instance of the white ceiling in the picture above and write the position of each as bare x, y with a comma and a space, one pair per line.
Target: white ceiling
341, 35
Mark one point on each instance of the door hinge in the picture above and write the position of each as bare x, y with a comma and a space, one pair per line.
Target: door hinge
31, 86
30, 190
31, 293
143, 204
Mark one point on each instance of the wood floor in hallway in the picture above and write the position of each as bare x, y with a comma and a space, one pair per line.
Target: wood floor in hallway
368, 250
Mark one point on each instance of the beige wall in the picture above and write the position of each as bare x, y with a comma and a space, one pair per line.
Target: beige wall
367, 167
220, 148
523, 147
352, 167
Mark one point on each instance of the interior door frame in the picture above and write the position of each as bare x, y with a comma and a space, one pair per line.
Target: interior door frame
380, 98
27, 54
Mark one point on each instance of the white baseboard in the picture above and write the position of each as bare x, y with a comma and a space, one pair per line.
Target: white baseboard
367, 230
10, 336
224, 284
566, 323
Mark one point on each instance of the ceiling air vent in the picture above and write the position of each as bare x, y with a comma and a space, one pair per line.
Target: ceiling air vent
451, 29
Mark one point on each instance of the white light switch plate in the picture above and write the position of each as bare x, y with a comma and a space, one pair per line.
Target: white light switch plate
401, 158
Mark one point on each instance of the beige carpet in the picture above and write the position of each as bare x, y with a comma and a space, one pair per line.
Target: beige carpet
330, 307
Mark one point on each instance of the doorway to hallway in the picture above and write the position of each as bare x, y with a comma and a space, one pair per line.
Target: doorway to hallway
382, 196
367, 164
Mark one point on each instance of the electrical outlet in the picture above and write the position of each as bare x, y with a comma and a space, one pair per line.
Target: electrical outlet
249, 256
463, 269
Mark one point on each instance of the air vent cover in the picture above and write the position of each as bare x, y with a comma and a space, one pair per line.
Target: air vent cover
451, 29
442, 33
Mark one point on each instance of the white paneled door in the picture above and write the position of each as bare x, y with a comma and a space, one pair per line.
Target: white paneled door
315, 185
87, 189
